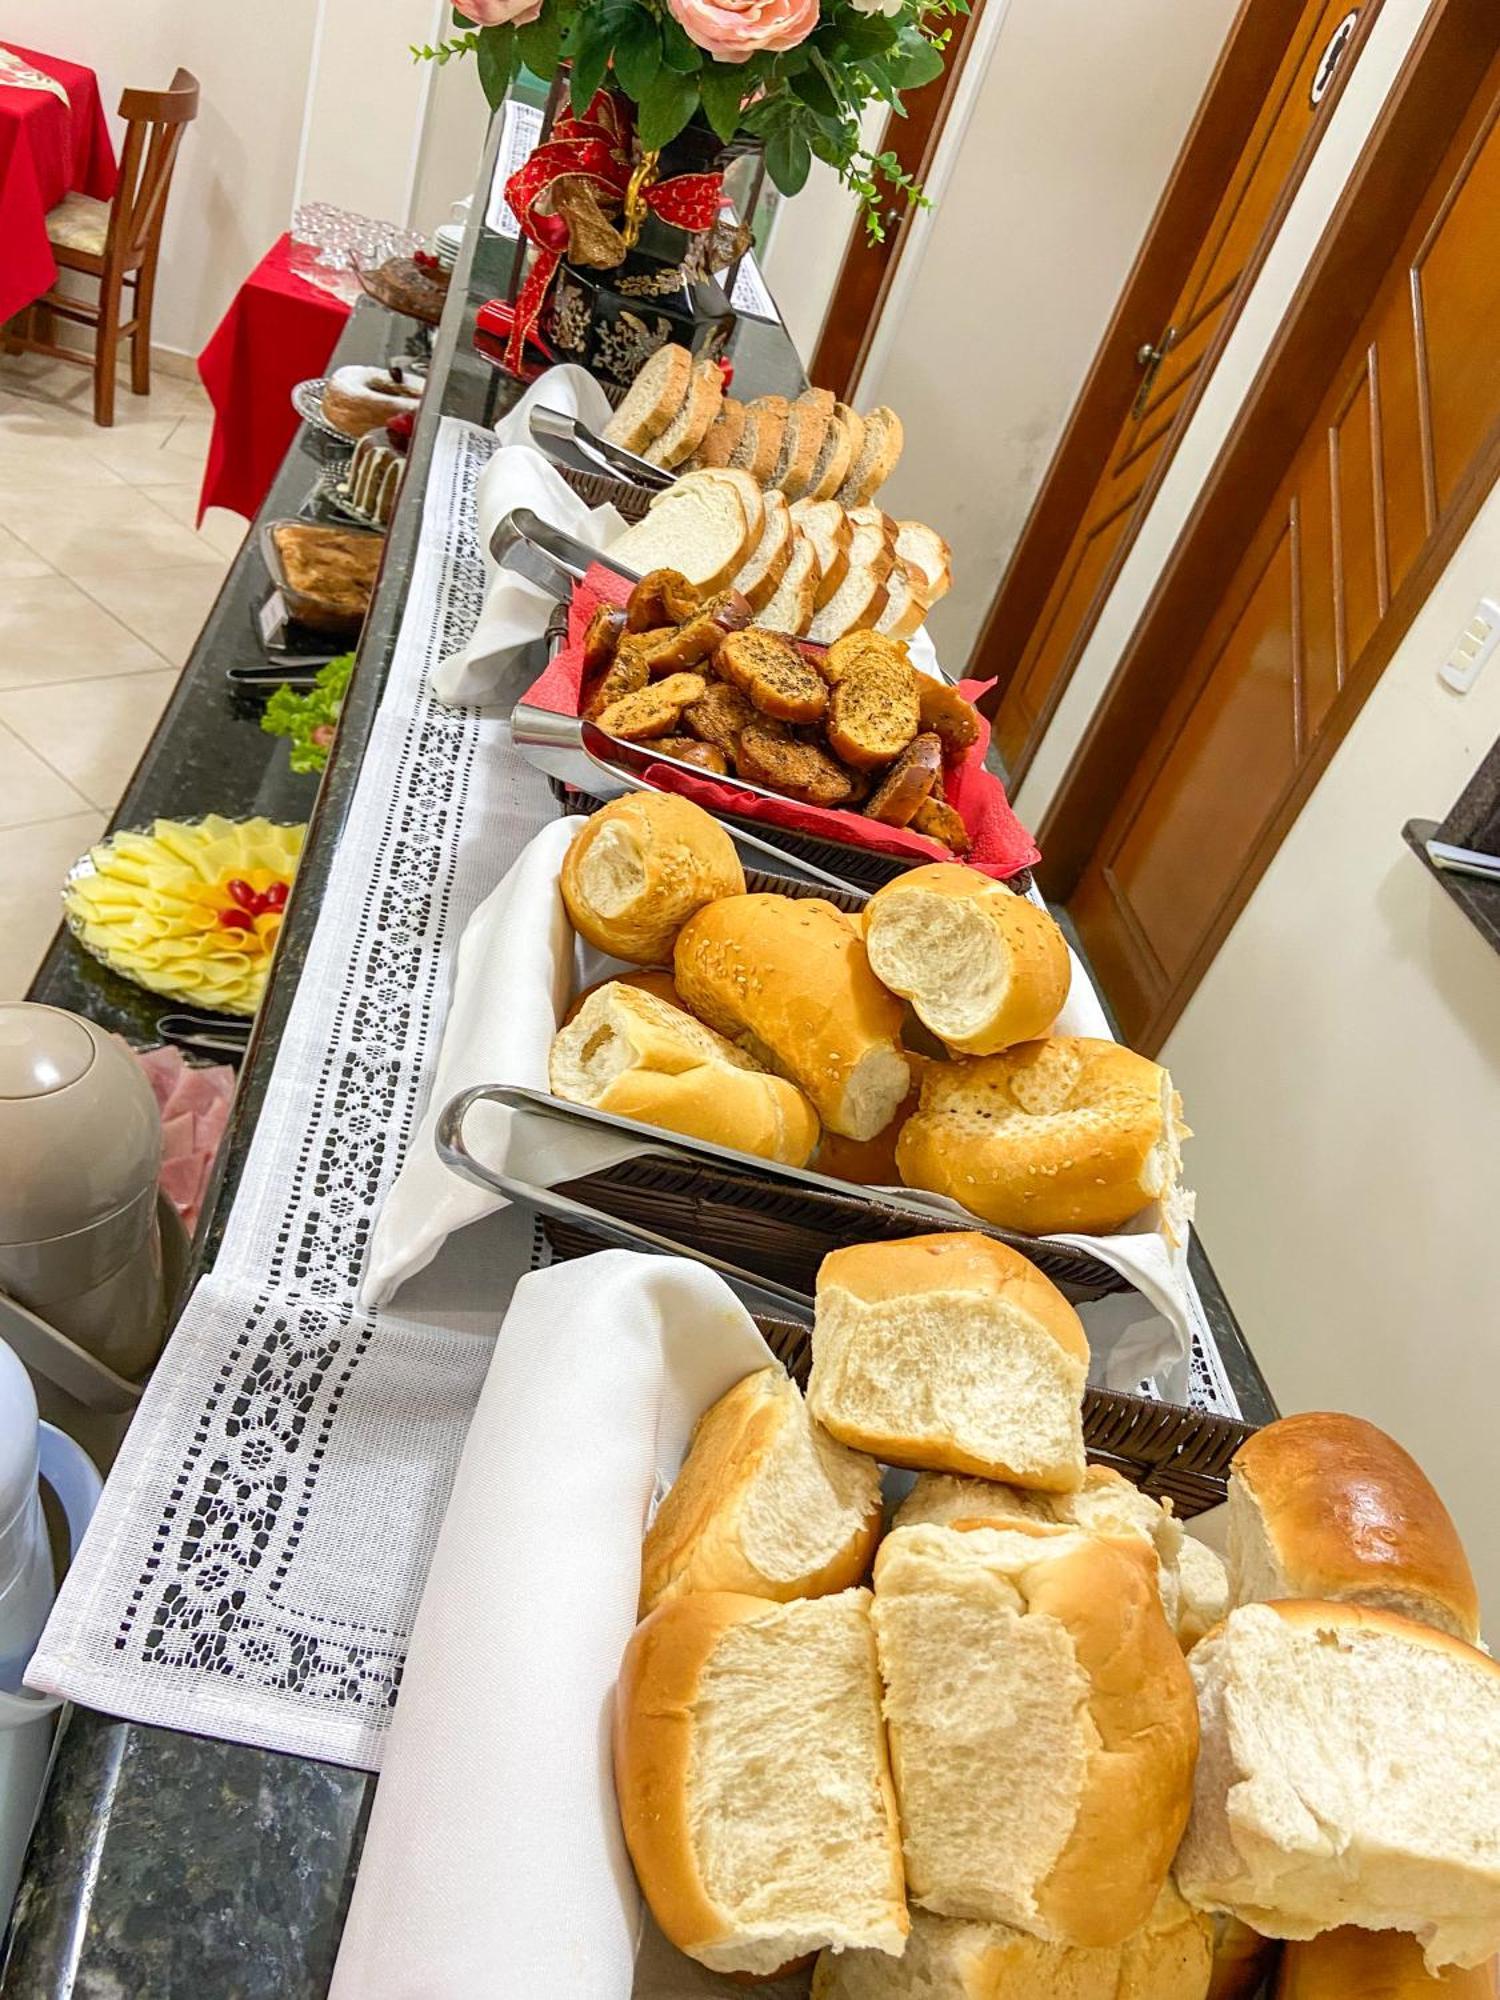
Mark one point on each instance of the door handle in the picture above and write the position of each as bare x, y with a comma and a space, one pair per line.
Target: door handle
1149, 356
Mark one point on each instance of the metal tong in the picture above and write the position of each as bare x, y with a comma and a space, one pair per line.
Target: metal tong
569, 442
546, 556
206, 1034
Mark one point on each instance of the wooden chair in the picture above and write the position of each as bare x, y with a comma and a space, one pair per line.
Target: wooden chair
117, 242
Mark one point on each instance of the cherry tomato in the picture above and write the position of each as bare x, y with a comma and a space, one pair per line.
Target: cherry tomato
240, 892
275, 897
236, 920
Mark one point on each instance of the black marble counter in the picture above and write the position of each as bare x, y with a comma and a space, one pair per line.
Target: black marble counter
170, 1867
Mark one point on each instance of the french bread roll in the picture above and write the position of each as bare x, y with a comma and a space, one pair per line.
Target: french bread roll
635, 1056
1322, 1505
650, 979
1042, 1726
788, 978
640, 867
950, 1353
949, 1959
1243, 1960
766, 1503
1068, 1133
753, 1780
1350, 1964
872, 1162
1349, 1772
983, 967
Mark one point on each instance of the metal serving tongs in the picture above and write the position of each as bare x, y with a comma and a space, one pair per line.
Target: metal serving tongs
453, 1151
532, 547
206, 1034
572, 443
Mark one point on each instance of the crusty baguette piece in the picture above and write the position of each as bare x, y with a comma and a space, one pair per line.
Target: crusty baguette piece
655, 710
788, 977
771, 673
950, 1353
724, 434
753, 1779
947, 1958
926, 551
1322, 1505
880, 450
689, 427
639, 868
697, 526
770, 754
766, 1503
791, 609
983, 967
1044, 1782
905, 786
1349, 1964
1349, 1771
635, 1056
653, 399
831, 532
1067, 1133
760, 579
872, 714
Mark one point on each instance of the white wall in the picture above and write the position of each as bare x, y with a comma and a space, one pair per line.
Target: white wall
1340, 1065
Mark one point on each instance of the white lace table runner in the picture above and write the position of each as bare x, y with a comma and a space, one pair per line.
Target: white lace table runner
257, 1558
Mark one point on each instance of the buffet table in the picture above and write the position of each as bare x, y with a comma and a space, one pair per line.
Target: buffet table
166, 1863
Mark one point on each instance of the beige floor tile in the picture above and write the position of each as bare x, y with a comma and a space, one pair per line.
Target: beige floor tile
222, 530
73, 389
46, 449
51, 631
16, 560
165, 607
104, 528
30, 786
33, 862
93, 732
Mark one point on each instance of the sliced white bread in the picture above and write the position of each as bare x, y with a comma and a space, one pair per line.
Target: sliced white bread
752, 498
766, 1503
1349, 1772
950, 1353
653, 399
904, 609
723, 436
753, 1780
759, 447
861, 598
807, 426
879, 452
689, 427
929, 555
760, 579
791, 609
837, 455
696, 527
949, 1959
1046, 1782
831, 533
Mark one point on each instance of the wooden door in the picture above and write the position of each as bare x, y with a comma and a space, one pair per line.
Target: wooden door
1174, 367
1407, 437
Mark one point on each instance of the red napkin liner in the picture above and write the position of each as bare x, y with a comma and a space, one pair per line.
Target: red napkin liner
1001, 846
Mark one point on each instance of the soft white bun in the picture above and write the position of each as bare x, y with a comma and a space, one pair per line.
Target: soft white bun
983, 967
1069, 1133
766, 1503
950, 1353
1042, 1726
629, 1053
947, 1958
640, 867
1322, 1505
1349, 1772
788, 978
753, 1782
1373, 1965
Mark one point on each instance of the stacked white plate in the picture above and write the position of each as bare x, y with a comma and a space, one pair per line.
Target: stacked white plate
447, 239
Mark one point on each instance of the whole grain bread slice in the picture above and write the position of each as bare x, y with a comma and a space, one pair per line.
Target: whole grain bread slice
836, 457
724, 434
653, 399
760, 442
808, 423
689, 427
877, 458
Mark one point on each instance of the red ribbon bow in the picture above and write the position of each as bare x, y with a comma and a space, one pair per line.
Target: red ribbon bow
601, 147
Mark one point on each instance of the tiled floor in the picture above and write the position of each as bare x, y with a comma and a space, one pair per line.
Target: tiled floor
104, 584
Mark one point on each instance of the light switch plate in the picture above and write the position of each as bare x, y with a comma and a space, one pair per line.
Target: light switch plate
1477, 641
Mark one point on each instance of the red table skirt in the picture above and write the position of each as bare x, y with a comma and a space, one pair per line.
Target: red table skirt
47, 148
278, 331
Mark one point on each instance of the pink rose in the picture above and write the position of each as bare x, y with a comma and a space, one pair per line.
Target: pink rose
734, 30
496, 13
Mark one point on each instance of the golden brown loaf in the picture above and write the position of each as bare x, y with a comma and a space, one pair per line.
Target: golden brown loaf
1042, 1726
1063, 1134
640, 867
753, 1780
766, 1503
1322, 1505
1349, 1964
983, 967
789, 979
950, 1353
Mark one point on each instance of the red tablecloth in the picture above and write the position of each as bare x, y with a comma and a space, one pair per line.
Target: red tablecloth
46, 148
278, 331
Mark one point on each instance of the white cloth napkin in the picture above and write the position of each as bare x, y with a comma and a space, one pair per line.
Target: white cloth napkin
25, 76
567, 388
494, 1868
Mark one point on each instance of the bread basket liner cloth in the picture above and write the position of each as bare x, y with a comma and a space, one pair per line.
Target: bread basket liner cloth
519, 964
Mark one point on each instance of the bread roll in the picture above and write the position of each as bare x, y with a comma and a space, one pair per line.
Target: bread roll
650, 979
872, 1162
1373, 1965
788, 977
1063, 1134
1349, 1771
948, 1959
766, 1503
638, 870
982, 966
951, 1354
1203, 1598
1243, 1961
1042, 1726
635, 1056
1328, 1506
753, 1781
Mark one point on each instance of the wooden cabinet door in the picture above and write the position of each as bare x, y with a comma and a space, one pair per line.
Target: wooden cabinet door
1292, 111
1409, 424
